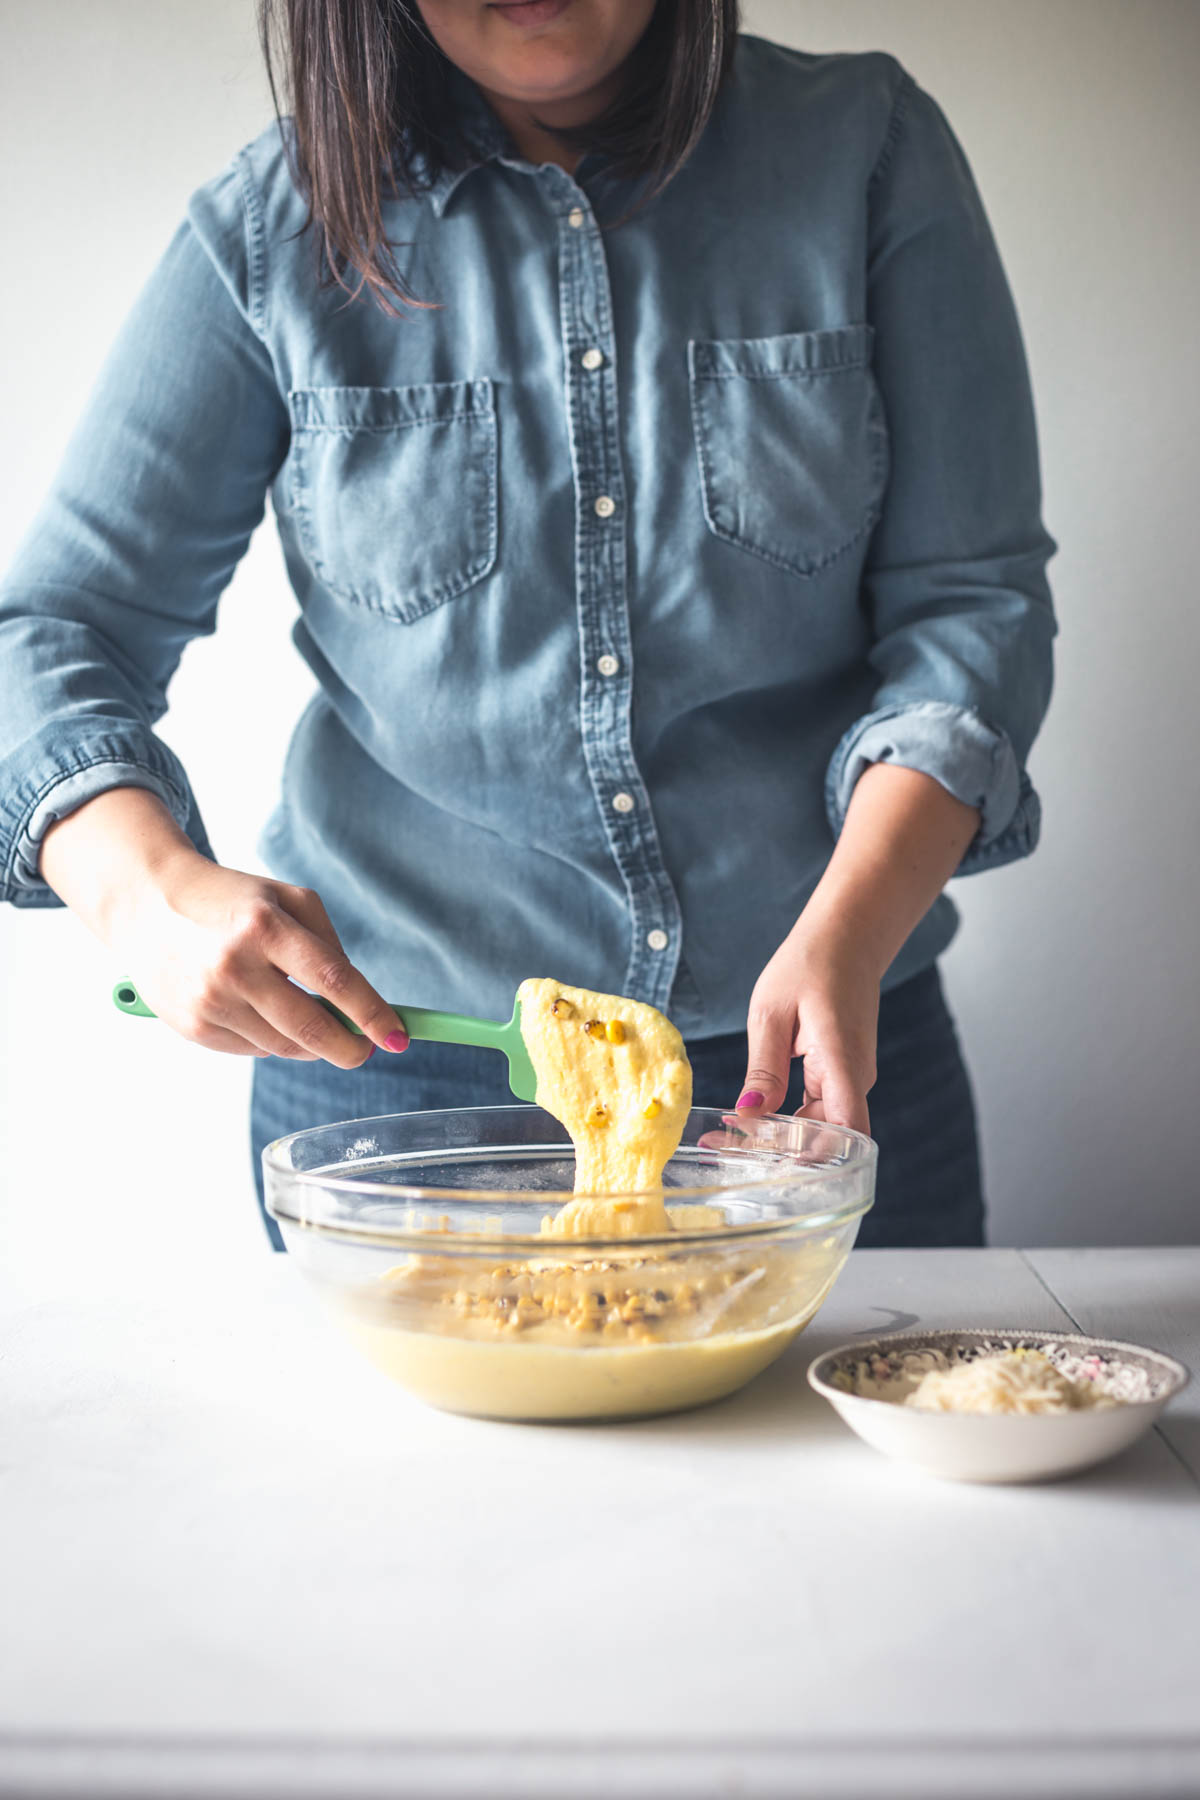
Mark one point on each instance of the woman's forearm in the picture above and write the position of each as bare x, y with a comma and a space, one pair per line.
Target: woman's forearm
903, 837
98, 855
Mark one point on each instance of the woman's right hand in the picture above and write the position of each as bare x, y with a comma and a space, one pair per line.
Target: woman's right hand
217, 953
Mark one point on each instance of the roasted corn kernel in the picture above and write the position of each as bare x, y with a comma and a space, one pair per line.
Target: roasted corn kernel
594, 1027
597, 1114
652, 1109
561, 1008
614, 1031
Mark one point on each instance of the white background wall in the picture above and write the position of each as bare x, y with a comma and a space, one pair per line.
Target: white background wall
1076, 975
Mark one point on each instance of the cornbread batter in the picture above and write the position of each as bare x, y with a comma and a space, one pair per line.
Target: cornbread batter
616, 1074
553, 1381
609, 1335
619, 1332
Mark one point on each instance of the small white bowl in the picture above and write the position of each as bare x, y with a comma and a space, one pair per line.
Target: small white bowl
961, 1446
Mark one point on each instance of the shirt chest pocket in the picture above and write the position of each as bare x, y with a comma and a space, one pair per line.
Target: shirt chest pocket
791, 443
394, 491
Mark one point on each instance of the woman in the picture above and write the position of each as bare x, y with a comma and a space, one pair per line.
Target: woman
650, 440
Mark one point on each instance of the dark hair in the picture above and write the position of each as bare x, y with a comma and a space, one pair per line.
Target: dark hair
370, 100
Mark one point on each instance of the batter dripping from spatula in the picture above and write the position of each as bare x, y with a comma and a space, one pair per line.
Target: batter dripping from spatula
616, 1074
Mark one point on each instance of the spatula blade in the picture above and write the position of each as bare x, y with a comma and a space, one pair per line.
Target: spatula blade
522, 1078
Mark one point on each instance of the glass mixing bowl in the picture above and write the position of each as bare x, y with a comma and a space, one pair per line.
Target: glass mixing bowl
427, 1235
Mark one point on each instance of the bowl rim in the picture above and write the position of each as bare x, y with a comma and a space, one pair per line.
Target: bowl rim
863, 1160
1176, 1372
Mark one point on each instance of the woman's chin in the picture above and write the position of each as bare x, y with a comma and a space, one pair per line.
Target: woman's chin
560, 63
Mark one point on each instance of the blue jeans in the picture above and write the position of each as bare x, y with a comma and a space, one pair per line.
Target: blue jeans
928, 1190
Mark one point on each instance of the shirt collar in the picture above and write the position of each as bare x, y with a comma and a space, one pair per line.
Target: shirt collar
481, 128
489, 140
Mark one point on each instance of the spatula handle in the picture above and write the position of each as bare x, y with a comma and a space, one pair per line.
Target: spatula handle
126, 997
421, 1021
434, 1027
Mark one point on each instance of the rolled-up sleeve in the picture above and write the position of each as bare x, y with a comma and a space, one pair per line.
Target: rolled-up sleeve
160, 489
954, 585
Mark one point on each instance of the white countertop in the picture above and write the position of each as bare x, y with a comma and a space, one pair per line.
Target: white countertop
236, 1561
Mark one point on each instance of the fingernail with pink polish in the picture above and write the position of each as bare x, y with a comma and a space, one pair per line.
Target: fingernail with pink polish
751, 1097
396, 1040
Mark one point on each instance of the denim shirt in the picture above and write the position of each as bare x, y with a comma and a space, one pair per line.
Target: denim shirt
615, 567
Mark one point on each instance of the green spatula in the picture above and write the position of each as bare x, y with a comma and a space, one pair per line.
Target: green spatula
421, 1022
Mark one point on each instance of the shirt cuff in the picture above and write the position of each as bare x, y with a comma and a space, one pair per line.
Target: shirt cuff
971, 759
62, 786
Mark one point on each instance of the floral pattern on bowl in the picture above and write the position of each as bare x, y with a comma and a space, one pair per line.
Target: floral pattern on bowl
1123, 1372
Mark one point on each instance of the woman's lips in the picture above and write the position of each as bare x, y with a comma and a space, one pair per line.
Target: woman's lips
530, 12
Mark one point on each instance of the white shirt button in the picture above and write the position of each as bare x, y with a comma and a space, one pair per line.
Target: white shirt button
575, 217
607, 665
623, 803
593, 358
606, 506
657, 940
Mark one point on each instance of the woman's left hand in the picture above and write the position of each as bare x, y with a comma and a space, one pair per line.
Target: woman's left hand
902, 838
817, 998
